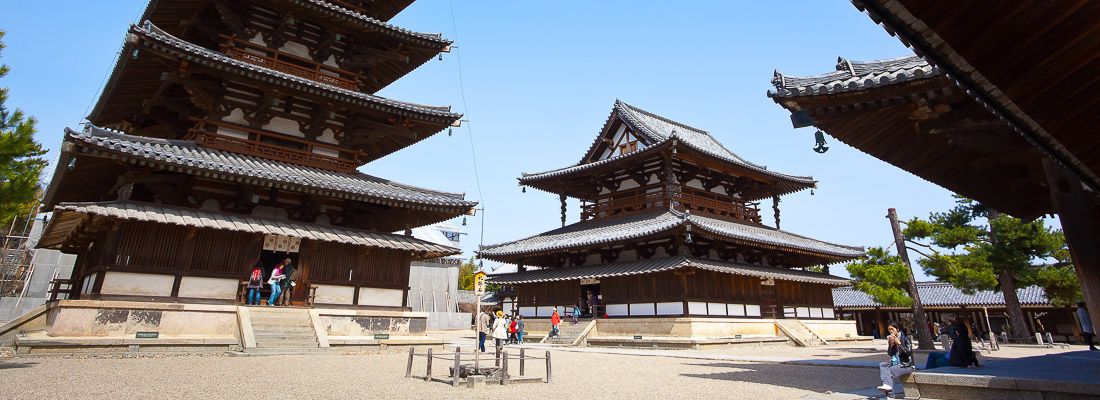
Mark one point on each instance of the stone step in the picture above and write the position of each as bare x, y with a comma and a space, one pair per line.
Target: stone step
300, 325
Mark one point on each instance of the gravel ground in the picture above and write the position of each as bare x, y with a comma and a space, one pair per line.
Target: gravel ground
382, 376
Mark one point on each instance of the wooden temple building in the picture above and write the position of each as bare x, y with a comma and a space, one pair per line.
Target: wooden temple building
231, 132
670, 227
998, 105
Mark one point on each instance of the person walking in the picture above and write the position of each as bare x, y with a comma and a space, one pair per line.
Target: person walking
555, 320
255, 284
292, 274
1086, 325
519, 329
577, 315
901, 358
482, 329
274, 281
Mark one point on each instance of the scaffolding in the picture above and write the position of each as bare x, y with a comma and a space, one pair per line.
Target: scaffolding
17, 250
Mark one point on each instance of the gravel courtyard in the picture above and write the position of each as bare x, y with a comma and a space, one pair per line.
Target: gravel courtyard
577, 375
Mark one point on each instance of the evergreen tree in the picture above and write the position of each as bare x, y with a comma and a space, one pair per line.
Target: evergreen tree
466, 273
21, 161
883, 276
1005, 254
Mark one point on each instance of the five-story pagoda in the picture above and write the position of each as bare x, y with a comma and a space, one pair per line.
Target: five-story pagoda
230, 132
670, 227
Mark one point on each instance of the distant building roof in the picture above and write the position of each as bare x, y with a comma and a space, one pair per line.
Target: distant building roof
611, 230
468, 297
941, 294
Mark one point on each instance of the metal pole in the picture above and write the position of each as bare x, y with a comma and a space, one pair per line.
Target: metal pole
923, 336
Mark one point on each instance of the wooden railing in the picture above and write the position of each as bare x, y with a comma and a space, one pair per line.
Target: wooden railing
67, 287
255, 145
298, 66
717, 204
654, 197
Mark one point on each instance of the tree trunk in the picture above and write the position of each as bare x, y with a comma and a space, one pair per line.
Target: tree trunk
924, 337
1012, 305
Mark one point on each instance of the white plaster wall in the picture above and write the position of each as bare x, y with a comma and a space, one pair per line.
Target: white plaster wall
716, 308
618, 309
285, 126
642, 309
752, 310
380, 297
328, 137
333, 294
697, 308
208, 288
670, 308
236, 116
297, 49
326, 152
233, 133
736, 310
136, 284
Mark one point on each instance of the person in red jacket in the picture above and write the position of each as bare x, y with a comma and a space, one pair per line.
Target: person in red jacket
512, 330
555, 320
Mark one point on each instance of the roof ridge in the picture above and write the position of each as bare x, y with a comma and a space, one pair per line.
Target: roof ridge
662, 118
352, 13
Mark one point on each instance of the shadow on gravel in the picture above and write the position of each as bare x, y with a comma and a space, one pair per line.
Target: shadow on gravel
11, 365
817, 379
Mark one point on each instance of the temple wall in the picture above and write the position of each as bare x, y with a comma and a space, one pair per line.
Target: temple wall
381, 297
334, 294
137, 284
124, 319
832, 329
344, 324
208, 288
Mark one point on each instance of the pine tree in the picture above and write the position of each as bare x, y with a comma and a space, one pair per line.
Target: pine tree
882, 276
21, 161
1005, 254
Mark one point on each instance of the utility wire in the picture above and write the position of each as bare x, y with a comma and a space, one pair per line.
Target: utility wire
469, 125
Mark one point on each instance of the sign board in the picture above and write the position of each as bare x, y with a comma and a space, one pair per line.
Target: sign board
282, 243
736, 336
590, 281
378, 336
768, 281
479, 283
147, 335
637, 337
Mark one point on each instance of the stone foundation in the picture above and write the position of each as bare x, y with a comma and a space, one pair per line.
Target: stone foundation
694, 332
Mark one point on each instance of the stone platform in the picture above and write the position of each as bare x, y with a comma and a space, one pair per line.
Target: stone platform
1071, 375
101, 326
685, 342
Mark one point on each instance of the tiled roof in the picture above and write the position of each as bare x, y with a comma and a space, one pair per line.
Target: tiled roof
195, 53
377, 25
854, 75
65, 214
662, 264
941, 294
613, 230
656, 130
468, 297
188, 156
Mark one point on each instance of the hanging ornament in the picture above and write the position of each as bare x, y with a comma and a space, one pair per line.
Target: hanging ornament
811, 192
523, 189
449, 131
463, 221
820, 146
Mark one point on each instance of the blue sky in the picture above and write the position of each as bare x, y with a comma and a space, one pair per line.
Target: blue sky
540, 79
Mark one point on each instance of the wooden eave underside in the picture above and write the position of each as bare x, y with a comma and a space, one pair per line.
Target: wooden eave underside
962, 148
136, 81
1033, 63
580, 184
792, 257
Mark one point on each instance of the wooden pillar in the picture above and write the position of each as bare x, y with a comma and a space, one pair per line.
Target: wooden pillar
1080, 219
878, 321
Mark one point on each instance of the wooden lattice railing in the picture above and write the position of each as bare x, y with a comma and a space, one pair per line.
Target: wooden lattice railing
298, 66
654, 197
256, 146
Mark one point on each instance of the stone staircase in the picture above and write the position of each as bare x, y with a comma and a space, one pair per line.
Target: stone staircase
799, 333
281, 328
568, 333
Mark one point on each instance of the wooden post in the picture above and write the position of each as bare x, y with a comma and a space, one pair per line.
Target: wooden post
521, 361
547, 367
496, 351
504, 370
409, 368
428, 373
1080, 220
458, 365
923, 336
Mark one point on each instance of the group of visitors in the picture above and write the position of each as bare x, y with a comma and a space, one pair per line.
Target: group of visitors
902, 361
281, 282
504, 329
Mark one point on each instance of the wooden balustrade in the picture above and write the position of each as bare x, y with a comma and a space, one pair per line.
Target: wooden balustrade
256, 146
654, 197
252, 53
